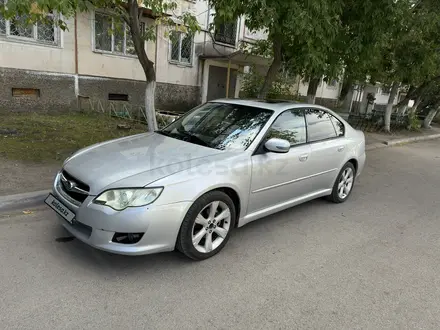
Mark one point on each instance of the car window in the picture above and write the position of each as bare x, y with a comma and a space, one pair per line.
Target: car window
222, 126
338, 125
319, 125
290, 126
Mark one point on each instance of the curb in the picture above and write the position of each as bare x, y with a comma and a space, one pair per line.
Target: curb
394, 142
22, 201
412, 139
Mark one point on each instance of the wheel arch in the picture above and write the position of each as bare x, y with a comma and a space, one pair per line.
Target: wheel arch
235, 199
354, 162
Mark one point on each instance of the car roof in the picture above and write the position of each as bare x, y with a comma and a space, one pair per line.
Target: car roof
274, 105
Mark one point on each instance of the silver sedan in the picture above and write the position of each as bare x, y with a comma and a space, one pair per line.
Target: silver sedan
218, 167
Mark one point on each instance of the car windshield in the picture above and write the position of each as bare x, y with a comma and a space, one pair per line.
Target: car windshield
221, 126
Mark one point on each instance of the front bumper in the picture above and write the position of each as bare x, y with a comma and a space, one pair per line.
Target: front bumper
96, 225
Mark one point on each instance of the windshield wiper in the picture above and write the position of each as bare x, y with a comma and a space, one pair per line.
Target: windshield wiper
162, 133
193, 138
184, 134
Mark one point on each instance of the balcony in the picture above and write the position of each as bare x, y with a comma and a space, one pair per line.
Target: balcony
226, 33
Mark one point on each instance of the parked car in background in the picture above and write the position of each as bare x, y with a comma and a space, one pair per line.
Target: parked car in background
220, 166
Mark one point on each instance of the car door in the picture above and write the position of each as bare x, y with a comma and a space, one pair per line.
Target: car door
279, 177
325, 134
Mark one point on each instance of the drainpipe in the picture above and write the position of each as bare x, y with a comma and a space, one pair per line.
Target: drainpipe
228, 77
156, 48
76, 60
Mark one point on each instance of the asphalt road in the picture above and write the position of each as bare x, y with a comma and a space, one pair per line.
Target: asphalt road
371, 263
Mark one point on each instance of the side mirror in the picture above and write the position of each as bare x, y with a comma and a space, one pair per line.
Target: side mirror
277, 145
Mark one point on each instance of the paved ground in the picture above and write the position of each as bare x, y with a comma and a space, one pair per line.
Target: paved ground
371, 263
17, 177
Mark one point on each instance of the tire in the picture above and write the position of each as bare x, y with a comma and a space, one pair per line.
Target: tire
336, 195
192, 231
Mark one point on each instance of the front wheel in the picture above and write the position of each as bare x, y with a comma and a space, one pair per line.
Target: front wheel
207, 226
344, 184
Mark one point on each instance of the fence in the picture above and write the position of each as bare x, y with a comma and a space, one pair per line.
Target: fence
123, 110
374, 121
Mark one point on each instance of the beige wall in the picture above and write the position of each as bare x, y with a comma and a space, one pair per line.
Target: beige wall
15, 53
94, 63
174, 73
18, 54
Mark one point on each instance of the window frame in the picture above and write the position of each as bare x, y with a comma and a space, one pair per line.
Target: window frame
170, 50
260, 147
344, 129
227, 44
301, 110
329, 118
34, 39
259, 150
124, 45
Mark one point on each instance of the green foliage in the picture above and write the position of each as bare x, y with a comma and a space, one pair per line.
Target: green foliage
413, 122
252, 82
162, 10
304, 29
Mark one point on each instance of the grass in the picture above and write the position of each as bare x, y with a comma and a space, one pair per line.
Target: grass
53, 137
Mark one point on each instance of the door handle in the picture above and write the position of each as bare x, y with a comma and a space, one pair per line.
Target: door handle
303, 157
341, 148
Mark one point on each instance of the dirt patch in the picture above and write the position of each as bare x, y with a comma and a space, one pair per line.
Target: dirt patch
17, 177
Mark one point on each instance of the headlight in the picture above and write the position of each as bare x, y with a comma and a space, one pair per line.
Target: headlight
120, 199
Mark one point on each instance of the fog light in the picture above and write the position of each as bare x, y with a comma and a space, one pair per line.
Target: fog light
127, 238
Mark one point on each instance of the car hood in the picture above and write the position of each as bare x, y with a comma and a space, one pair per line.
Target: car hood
153, 155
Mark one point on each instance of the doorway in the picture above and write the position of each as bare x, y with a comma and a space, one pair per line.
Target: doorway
217, 82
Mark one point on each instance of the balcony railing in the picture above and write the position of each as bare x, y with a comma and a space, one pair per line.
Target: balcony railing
226, 33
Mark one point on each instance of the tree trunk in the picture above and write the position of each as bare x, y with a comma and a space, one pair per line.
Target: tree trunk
402, 109
147, 65
347, 87
431, 115
416, 104
273, 69
389, 108
348, 99
402, 106
150, 112
311, 90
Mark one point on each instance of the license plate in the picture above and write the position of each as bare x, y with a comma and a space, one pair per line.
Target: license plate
60, 208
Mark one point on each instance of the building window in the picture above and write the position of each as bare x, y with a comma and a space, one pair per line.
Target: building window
113, 36
43, 32
226, 33
181, 47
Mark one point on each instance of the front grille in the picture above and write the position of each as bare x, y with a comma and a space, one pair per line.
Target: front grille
73, 187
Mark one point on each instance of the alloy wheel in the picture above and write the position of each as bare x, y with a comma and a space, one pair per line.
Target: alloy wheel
211, 227
345, 183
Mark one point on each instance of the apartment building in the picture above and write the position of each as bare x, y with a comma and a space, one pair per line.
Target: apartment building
43, 67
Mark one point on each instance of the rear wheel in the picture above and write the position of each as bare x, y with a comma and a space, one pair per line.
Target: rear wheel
207, 226
344, 184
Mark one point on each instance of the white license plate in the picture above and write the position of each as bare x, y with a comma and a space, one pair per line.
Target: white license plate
60, 208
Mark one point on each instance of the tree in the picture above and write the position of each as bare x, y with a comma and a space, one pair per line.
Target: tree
410, 55
364, 31
430, 102
128, 11
299, 32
